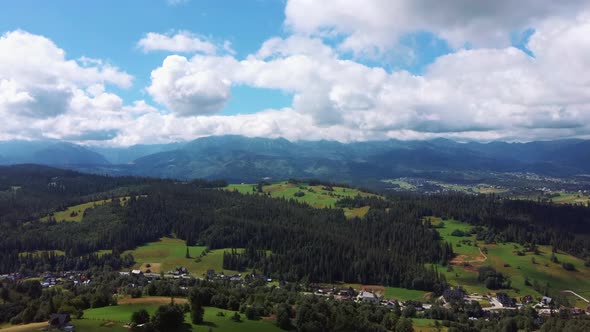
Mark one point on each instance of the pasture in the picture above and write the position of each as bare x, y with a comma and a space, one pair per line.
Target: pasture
121, 314
396, 293
315, 196
426, 325
511, 260
169, 253
76, 212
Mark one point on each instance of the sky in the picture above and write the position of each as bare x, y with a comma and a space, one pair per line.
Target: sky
118, 73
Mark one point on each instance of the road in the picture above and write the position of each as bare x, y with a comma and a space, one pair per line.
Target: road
576, 294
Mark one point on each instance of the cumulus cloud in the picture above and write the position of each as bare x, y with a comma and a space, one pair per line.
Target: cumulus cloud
375, 25
477, 93
482, 93
180, 42
37, 81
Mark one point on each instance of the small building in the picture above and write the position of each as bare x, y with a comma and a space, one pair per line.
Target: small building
546, 300
368, 297
526, 299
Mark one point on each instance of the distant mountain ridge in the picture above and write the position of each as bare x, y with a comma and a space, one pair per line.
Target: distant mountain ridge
53, 153
238, 158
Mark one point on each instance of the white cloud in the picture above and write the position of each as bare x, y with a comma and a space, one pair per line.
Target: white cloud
189, 89
481, 93
475, 93
375, 25
181, 42
176, 2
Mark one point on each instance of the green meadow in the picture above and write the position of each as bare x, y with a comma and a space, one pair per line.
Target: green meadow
169, 253
76, 212
315, 196
403, 294
560, 197
121, 314
426, 325
504, 258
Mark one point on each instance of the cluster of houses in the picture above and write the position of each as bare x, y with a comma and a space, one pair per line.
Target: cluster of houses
499, 301
51, 279
212, 275
365, 296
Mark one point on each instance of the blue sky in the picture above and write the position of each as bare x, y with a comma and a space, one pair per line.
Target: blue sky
110, 30
345, 70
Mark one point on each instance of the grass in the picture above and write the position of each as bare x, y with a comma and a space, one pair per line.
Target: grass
402, 184
462, 245
403, 294
396, 293
503, 257
165, 255
37, 253
315, 196
560, 197
480, 188
76, 212
122, 313
425, 325
169, 253
571, 198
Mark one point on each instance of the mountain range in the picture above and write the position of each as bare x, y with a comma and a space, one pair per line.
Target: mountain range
244, 159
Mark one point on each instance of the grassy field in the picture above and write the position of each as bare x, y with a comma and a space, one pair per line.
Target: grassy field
121, 314
559, 198
40, 252
425, 325
403, 294
402, 184
504, 258
400, 294
315, 196
169, 253
76, 212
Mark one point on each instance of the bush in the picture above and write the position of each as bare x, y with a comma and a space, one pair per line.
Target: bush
236, 317
569, 266
140, 317
458, 233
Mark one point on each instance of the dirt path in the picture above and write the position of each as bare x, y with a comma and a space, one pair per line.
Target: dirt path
576, 294
461, 259
149, 300
25, 327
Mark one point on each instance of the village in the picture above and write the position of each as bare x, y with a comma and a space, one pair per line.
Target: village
136, 279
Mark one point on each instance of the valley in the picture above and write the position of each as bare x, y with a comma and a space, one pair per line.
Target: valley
248, 249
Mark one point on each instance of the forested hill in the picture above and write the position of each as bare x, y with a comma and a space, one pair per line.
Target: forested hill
390, 245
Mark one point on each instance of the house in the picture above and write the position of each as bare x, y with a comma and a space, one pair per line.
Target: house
136, 272
505, 300
59, 321
526, 299
367, 297
546, 300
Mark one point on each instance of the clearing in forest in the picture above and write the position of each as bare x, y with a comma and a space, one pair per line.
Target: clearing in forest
76, 212
318, 196
169, 253
529, 272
